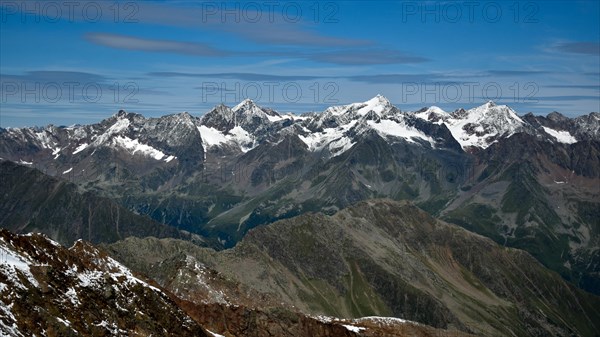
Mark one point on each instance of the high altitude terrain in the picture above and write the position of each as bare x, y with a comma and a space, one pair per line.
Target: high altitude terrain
49, 290
529, 182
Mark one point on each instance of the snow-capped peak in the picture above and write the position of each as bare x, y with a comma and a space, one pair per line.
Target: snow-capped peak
247, 105
248, 108
489, 113
432, 114
378, 105
379, 99
337, 127
436, 110
483, 125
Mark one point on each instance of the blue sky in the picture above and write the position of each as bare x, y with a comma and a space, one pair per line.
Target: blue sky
67, 62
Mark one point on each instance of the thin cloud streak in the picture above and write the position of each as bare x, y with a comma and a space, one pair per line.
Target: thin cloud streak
340, 57
586, 48
574, 86
358, 57
271, 28
238, 76
151, 45
518, 72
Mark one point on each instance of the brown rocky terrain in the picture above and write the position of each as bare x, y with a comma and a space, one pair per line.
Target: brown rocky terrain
49, 290
383, 258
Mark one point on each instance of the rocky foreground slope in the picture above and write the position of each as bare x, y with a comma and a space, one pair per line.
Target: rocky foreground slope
49, 290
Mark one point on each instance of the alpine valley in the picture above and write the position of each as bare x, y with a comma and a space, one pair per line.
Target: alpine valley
361, 220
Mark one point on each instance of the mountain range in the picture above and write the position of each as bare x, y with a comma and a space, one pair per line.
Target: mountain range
528, 181
348, 213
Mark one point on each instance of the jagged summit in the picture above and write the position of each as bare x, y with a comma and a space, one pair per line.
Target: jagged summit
380, 98
245, 104
377, 104
121, 114
432, 114
247, 124
556, 116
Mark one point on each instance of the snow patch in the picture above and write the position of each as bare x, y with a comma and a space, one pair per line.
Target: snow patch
214, 334
279, 118
13, 263
119, 126
388, 127
71, 295
561, 136
333, 139
44, 139
213, 137
80, 148
134, 146
384, 320
56, 152
353, 328
243, 138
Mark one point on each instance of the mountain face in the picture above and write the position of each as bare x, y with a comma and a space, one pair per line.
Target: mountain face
565, 129
541, 197
48, 290
33, 202
525, 181
376, 258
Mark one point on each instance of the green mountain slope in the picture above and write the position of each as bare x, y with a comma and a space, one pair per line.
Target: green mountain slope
33, 202
389, 258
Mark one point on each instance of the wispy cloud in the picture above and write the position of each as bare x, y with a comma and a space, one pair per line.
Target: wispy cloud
58, 85
518, 72
376, 56
379, 78
60, 76
338, 56
575, 86
587, 48
567, 98
399, 78
257, 23
238, 76
164, 46
374, 78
